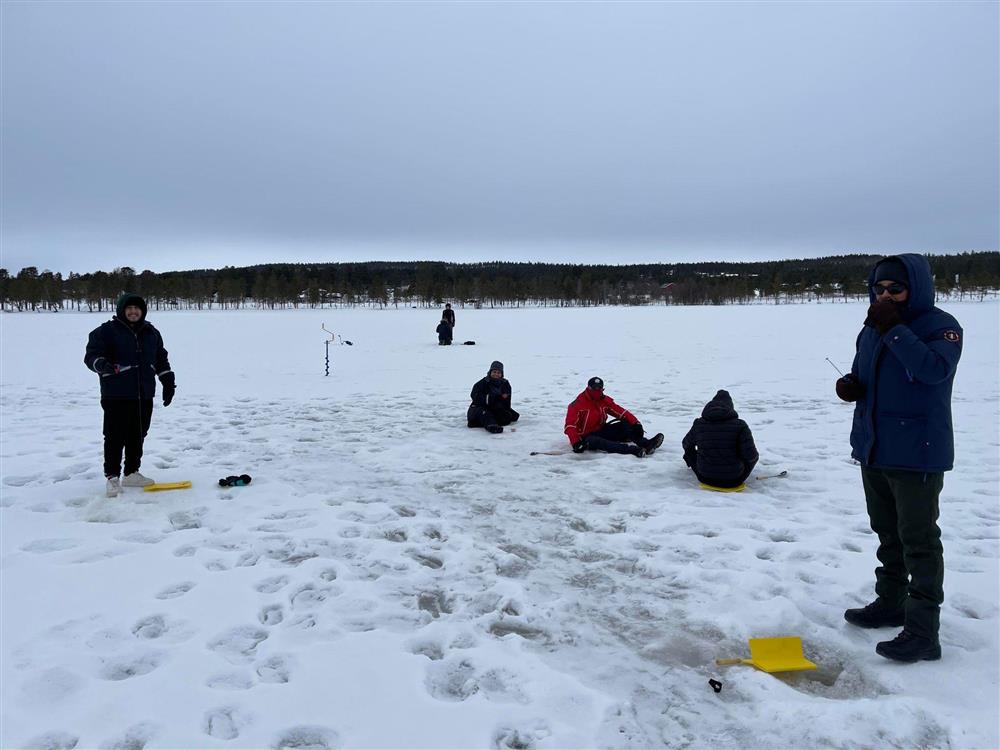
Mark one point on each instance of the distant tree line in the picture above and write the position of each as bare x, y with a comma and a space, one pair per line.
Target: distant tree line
495, 284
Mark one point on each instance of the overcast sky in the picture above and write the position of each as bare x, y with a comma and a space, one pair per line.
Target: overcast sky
195, 135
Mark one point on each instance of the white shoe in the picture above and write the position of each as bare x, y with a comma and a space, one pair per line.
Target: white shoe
136, 480
114, 487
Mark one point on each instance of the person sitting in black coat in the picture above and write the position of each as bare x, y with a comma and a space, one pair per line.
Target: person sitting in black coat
719, 445
490, 407
444, 332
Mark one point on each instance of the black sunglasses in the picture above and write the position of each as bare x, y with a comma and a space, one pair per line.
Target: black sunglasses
893, 288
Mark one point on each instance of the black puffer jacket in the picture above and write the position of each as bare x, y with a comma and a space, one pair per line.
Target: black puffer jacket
491, 394
444, 331
137, 349
719, 444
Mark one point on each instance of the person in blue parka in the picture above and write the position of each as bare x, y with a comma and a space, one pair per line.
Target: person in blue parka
900, 383
128, 354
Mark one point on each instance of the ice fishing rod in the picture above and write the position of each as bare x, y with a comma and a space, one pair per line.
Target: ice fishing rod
835, 367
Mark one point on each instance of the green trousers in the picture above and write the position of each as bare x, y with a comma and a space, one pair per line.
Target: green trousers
903, 509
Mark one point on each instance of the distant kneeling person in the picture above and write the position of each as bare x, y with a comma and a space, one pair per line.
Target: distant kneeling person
490, 407
588, 429
719, 446
444, 332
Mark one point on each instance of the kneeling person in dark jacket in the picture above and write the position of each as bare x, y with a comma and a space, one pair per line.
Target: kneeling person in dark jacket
490, 407
719, 445
444, 332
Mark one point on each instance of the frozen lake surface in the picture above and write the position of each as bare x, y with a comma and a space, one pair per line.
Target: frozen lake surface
392, 579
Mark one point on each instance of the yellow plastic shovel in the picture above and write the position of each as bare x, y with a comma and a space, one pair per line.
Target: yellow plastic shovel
774, 655
167, 486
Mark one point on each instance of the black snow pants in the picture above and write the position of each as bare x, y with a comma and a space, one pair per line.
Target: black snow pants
126, 422
480, 416
614, 437
903, 510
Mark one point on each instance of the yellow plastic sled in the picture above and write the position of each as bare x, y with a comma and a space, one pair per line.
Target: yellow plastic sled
161, 486
723, 489
774, 655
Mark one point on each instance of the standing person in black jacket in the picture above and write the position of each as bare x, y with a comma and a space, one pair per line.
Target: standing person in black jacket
449, 315
127, 352
490, 407
719, 445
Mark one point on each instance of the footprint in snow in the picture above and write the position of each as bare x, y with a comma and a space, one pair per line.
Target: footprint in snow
175, 590
307, 738
134, 738
238, 645
182, 520
434, 602
52, 741
428, 561
120, 668
230, 681
275, 669
223, 723
272, 614
45, 546
272, 584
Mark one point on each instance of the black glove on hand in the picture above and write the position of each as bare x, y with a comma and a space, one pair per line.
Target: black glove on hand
579, 447
104, 368
883, 317
169, 387
849, 389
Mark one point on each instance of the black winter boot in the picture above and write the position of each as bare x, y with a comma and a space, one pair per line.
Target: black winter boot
494, 428
653, 443
878, 614
908, 647
637, 450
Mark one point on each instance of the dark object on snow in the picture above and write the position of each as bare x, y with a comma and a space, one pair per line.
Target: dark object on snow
235, 481
719, 446
716, 685
469, 343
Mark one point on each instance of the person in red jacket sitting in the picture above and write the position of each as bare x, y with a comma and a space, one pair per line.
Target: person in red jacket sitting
588, 429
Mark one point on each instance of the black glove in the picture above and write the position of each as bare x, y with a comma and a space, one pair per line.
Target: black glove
849, 389
579, 447
689, 460
104, 368
883, 316
169, 387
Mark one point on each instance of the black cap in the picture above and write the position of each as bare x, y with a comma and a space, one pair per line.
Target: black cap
596, 383
496, 365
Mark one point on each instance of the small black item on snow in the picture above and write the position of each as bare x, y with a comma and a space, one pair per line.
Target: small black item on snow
235, 481
716, 685
547, 453
775, 476
468, 343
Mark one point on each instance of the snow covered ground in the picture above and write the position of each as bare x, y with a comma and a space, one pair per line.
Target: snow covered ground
392, 579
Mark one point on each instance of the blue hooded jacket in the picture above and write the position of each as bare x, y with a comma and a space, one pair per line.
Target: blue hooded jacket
904, 419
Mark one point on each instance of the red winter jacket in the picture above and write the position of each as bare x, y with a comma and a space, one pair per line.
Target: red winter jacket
589, 413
